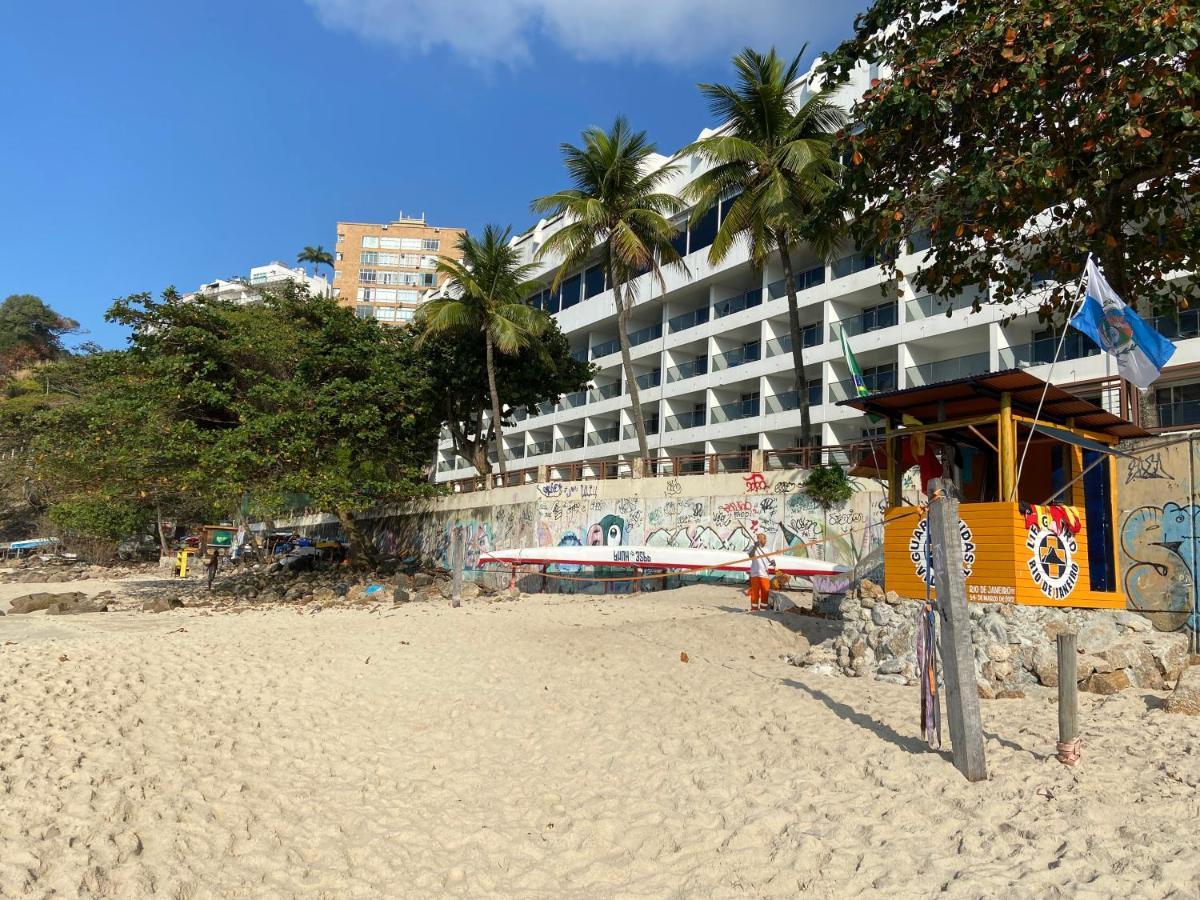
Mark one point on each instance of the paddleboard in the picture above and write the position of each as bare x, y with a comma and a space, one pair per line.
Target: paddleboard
688, 558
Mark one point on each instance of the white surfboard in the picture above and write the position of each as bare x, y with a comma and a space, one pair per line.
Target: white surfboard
645, 557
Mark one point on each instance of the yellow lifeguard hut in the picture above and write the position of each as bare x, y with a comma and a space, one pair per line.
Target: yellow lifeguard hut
1018, 546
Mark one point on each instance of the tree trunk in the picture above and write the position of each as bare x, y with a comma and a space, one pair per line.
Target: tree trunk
635, 399
499, 434
362, 551
163, 549
789, 280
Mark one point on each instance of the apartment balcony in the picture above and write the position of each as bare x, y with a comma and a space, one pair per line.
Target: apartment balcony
444, 466
1041, 351
844, 390
738, 357
605, 392
688, 320
570, 442
520, 414
629, 432
687, 370
539, 448
810, 336
1177, 413
947, 369
809, 278
855, 262
731, 412
579, 355
636, 338
789, 401
514, 455
649, 380
545, 407
686, 420
874, 319
603, 436
728, 307
571, 401
1185, 324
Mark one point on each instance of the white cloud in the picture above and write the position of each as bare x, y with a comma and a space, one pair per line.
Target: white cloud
669, 31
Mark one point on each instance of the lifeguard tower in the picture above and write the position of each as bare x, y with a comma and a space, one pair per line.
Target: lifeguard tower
1018, 546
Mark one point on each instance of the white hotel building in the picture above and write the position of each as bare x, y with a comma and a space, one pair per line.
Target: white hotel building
713, 359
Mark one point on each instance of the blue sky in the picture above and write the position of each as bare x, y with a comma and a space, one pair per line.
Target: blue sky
157, 143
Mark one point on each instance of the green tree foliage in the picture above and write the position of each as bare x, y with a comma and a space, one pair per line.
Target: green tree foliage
485, 302
105, 518
30, 332
774, 155
828, 486
1024, 136
293, 395
541, 373
617, 212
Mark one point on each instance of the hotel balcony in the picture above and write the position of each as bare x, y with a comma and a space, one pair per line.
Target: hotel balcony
730, 412
687, 370
947, 369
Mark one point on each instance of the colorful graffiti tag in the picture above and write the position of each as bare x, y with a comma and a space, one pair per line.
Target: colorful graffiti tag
1161, 546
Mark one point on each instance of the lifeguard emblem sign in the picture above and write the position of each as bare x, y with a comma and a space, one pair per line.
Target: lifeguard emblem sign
1052, 561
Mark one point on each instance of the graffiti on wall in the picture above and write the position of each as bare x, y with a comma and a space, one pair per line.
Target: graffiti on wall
1160, 546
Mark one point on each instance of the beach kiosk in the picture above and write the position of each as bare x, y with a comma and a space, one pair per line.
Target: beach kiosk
1036, 470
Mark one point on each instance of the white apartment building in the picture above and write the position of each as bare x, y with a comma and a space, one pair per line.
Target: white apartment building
712, 356
273, 274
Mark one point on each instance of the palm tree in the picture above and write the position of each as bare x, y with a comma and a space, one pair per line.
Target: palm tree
317, 255
485, 293
616, 210
775, 158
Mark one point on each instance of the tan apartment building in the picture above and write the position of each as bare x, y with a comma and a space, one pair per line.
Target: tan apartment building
383, 270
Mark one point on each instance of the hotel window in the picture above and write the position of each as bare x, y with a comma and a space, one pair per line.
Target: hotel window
339, 253
570, 291
368, 276
704, 232
341, 239
1178, 404
431, 244
385, 313
428, 279
370, 243
369, 258
880, 378
363, 312
389, 243
410, 260
405, 315
389, 259
410, 243
407, 296
593, 282
881, 316
429, 262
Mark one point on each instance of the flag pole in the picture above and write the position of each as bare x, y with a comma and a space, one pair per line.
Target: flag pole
1046, 386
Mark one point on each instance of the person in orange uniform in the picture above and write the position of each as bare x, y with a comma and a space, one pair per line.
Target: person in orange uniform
760, 574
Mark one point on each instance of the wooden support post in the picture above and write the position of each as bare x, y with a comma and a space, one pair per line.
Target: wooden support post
958, 664
456, 567
1068, 700
1007, 441
894, 475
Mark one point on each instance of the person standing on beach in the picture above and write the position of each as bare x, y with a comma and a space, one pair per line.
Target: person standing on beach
760, 574
213, 562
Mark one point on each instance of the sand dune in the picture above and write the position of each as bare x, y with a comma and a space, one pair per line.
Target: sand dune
552, 747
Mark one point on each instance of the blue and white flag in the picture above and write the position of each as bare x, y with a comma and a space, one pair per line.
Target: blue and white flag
1140, 351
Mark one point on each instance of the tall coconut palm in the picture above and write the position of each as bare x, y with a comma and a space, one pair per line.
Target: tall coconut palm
775, 157
485, 294
317, 255
615, 209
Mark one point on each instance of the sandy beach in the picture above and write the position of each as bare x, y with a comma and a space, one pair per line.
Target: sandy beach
547, 747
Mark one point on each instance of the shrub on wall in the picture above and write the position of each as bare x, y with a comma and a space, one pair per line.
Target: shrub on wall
828, 486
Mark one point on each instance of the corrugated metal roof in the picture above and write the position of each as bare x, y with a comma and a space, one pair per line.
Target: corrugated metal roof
979, 395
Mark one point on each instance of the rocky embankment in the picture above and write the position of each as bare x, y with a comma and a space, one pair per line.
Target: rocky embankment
1015, 646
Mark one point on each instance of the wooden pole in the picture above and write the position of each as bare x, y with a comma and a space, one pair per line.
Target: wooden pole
456, 567
1068, 700
1007, 441
894, 475
958, 665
